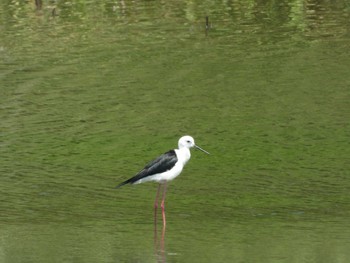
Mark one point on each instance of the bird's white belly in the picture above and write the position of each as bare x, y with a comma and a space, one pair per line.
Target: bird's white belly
169, 175
163, 177
183, 156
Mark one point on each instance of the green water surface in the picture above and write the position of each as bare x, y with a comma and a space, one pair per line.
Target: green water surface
92, 91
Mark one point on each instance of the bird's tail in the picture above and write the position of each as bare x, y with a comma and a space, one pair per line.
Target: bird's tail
123, 183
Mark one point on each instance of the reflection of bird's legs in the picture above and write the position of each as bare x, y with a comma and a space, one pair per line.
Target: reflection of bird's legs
163, 205
155, 219
162, 244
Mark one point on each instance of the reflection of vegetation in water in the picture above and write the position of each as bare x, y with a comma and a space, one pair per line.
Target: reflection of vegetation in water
310, 18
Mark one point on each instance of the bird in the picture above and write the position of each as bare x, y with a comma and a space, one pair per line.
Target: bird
165, 168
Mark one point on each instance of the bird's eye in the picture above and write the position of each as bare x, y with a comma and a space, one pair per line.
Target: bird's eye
188, 141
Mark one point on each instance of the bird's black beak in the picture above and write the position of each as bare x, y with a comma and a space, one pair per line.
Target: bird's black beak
199, 148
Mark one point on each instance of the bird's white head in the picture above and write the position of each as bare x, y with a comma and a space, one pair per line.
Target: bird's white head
188, 142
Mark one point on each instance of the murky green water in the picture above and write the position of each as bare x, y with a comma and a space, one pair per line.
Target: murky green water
91, 91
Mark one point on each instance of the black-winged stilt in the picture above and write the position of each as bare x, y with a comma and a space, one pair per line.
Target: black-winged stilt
165, 168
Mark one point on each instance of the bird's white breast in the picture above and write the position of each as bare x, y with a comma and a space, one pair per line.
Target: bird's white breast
183, 155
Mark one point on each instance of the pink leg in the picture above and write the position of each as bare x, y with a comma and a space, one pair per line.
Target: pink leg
156, 204
155, 216
163, 205
159, 248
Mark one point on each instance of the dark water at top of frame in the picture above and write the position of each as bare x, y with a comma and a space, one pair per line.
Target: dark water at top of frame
90, 91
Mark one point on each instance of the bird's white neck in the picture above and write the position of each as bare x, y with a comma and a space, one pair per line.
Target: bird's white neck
183, 154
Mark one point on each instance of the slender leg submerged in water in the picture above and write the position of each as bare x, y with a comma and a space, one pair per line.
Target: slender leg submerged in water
156, 204
163, 205
155, 220
159, 247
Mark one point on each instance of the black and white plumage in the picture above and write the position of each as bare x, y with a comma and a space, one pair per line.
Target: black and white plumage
167, 166
162, 164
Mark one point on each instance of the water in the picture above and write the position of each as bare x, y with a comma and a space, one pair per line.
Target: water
90, 92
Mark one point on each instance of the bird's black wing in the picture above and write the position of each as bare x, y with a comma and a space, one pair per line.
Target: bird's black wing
162, 164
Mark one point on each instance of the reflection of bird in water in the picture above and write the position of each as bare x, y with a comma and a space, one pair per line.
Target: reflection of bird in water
165, 168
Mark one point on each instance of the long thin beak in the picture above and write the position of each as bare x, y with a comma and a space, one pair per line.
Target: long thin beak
199, 148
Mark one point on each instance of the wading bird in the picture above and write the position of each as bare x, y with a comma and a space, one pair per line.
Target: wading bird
165, 168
